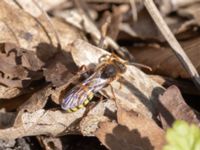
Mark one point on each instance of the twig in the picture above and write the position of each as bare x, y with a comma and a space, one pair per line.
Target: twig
176, 47
104, 30
134, 10
91, 28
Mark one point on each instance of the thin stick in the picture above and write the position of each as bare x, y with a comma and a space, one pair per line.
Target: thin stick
97, 34
176, 47
104, 30
133, 10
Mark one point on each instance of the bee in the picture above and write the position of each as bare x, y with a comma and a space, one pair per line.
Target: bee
110, 68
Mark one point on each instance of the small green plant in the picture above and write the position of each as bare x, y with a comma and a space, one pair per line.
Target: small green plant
183, 136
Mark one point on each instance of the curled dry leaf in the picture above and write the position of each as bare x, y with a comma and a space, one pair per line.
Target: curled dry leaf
36, 123
28, 32
173, 107
137, 92
132, 131
31, 33
19, 67
53, 122
162, 60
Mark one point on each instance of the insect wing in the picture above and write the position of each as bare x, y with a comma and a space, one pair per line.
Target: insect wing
95, 82
83, 93
76, 97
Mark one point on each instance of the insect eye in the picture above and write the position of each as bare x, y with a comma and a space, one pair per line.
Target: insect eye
108, 72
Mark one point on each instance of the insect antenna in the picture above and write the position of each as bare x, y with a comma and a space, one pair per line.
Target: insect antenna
139, 65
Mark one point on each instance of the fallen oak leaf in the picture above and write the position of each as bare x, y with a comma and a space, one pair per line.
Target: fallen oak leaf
28, 32
132, 131
13, 70
172, 107
19, 67
30, 60
14, 83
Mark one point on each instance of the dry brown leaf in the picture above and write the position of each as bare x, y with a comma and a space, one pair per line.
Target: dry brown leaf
173, 107
163, 61
55, 122
18, 26
131, 132
31, 33
144, 28
137, 91
39, 122
58, 69
35, 102
186, 86
30, 6
10, 68
19, 67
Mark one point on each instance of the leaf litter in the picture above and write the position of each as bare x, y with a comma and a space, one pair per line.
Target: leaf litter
40, 56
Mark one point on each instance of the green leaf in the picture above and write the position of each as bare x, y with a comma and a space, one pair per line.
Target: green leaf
182, 136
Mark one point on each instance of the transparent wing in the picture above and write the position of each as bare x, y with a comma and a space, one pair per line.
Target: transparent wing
95, 82
75, 97
80, 93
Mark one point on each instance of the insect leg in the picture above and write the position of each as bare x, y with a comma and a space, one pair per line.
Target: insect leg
112, 91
